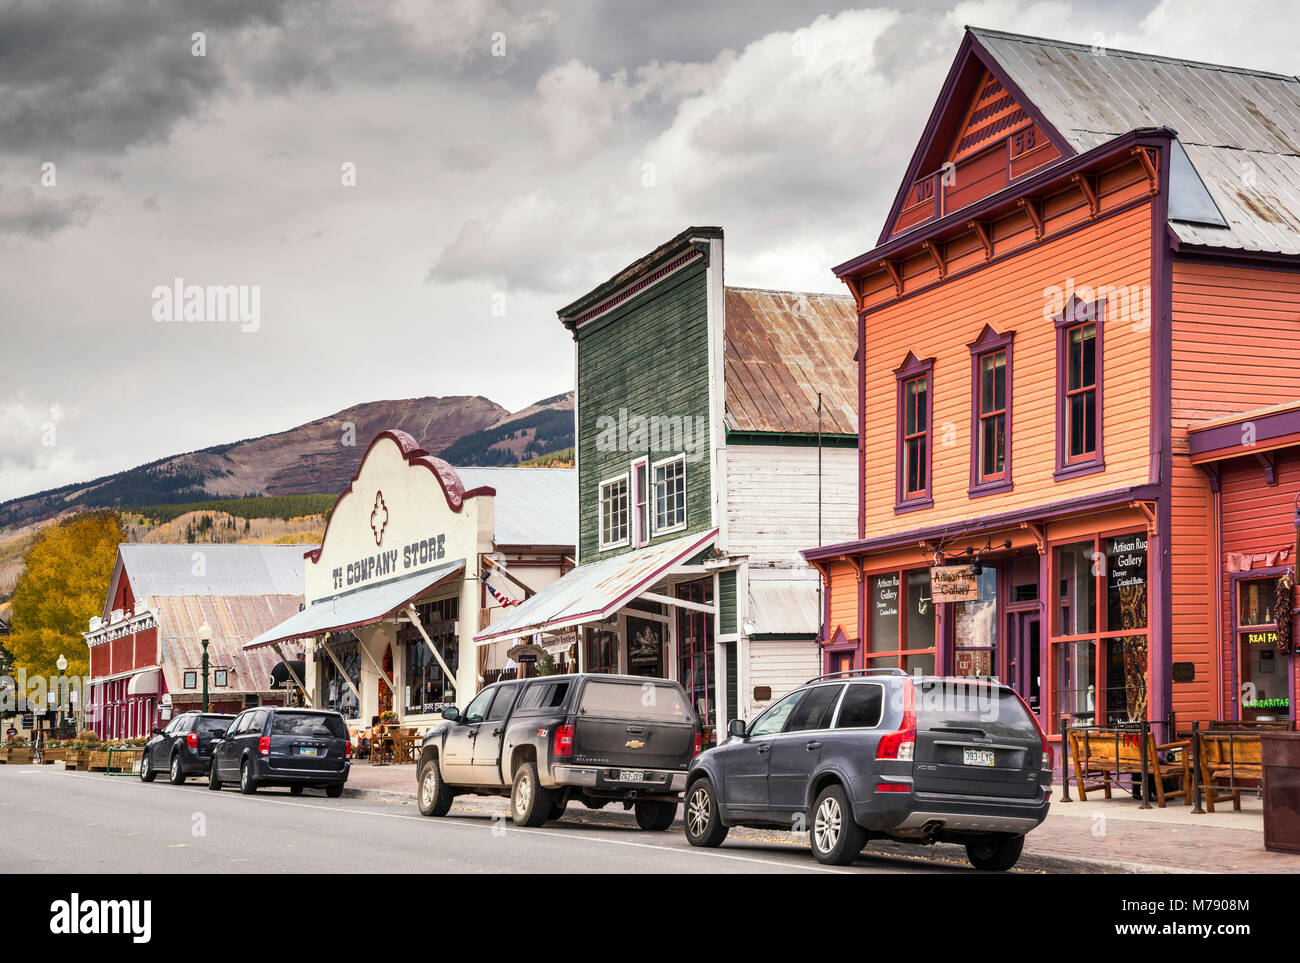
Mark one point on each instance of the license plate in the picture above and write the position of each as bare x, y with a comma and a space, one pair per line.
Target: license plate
977, 757
308, 751
631, 775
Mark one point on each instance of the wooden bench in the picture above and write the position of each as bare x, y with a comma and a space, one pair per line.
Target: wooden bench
1102, 755
1226, 759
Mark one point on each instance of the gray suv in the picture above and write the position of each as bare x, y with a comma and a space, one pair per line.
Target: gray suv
878, 753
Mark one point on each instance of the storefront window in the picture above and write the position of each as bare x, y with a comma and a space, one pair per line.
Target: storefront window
695, 652
1101, 595
975, 629
602, 650
427, 687
338, 695
905, 642
1265, 665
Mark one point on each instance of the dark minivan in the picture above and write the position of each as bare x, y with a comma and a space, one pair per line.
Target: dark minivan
881, 754
279, 746
183, 747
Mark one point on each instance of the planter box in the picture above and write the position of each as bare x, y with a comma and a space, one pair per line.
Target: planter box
17, 757
97, 761
54, 755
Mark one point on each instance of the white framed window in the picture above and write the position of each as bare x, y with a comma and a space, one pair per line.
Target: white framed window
670, 494
615, 513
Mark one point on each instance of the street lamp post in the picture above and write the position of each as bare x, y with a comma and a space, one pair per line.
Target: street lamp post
62, 663
205, 636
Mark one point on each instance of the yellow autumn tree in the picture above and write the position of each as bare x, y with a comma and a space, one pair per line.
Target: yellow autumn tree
66, 577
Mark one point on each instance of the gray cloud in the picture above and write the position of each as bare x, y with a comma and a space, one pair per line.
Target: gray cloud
36, 214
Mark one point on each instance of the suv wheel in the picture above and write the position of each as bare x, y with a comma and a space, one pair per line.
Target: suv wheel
247, 784
435, 795
655, 817
530, 804
996, 854
177, 775
146, 774
334, 790
836, 838
703, 824
214, 780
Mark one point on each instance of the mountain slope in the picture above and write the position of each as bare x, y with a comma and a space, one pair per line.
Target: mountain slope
318, 457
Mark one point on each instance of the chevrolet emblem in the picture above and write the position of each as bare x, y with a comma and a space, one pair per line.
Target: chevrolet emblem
634, 744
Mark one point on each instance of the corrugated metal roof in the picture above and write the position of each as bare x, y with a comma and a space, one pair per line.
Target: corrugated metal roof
356, 608
591, 592
1240, 128
214, 570
784, 606
234, 619
534, 506
782, 348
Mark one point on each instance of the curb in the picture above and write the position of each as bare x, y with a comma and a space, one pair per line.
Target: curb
1030, 863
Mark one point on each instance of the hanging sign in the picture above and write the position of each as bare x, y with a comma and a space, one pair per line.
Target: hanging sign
954, 583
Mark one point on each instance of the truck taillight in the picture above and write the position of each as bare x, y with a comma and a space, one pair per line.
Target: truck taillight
699, 744
901, 743
264, 745
192, 740
347, 748
562, 742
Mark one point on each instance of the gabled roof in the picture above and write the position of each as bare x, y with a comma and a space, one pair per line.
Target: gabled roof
782, 348
534, 506
1240, 128
1235, 181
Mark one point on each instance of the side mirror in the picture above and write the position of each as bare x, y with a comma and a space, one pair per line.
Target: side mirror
737, 727
451, 713
218, 734
156, 731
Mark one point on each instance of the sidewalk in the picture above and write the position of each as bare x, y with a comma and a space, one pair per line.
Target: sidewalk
1096, 836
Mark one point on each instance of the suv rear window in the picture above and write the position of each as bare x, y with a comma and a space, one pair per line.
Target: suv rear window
861, 706
992, 709
628, 700
309, 725
206, 725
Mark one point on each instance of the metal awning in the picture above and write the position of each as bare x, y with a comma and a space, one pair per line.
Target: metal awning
593, 592
143, 683
362, 607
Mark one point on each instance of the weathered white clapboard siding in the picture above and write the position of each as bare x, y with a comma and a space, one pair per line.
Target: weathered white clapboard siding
772, 501
783, 665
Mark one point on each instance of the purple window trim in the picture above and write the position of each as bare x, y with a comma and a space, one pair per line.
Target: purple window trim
1077, 312
911, 369
989, 342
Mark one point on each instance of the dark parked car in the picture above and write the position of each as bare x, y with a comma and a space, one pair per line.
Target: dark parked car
881, 754
277, 746
545, 741
183, 747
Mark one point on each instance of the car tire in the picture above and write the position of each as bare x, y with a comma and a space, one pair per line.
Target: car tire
434, 795
655, 817
295, 790
214, 781
146, 773
833, 835
247, 782
704, 826
334, 790
176, 773
530, 804
996, 855
558, 808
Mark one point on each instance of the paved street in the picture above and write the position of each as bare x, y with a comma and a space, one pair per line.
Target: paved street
57, 821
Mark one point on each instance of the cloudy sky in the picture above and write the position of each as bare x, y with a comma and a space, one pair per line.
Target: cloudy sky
413, 187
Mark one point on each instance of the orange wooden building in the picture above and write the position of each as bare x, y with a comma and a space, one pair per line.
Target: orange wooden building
1089, 280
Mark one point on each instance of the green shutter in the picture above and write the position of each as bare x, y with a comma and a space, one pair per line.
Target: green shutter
727, 602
